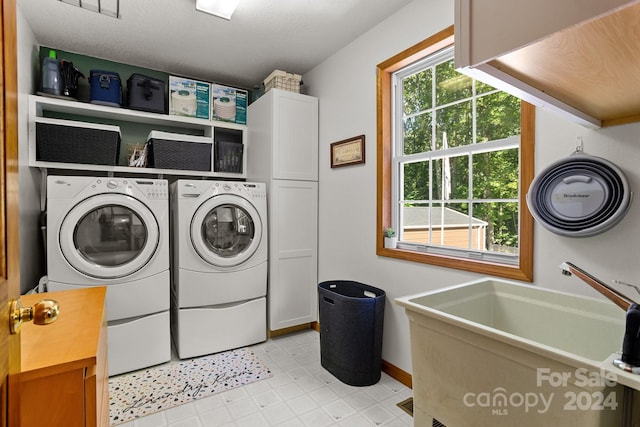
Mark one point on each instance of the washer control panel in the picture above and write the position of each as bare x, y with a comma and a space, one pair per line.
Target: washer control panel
155, 189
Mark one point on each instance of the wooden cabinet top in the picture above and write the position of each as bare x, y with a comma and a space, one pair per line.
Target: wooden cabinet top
580, 61
70, 342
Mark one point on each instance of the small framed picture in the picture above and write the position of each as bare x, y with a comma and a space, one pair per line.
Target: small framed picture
347, 152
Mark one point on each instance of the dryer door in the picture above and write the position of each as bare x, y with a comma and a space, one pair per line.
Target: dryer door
226, 230
109, 236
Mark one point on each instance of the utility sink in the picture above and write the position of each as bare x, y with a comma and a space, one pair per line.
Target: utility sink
496, 352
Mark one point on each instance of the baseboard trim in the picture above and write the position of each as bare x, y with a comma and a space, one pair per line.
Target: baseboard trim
397, 373
388, 368
285, 331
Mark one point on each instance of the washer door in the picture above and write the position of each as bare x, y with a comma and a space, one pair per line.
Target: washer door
109, 236
226, 230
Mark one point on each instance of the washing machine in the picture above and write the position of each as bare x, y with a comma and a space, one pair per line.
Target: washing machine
115, 232
219, 270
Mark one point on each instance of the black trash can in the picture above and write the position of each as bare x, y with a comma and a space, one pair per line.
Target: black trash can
351, 320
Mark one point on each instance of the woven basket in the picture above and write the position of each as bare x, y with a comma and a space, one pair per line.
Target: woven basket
283, 80
171, 154
70, 142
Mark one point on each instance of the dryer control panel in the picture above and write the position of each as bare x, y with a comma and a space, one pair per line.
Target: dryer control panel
153, 188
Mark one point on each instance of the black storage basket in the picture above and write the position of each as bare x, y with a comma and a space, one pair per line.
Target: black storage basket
171, 154
75, 144
228, 157
351, 323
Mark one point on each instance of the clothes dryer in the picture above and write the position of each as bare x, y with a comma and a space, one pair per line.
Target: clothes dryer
115, 232
219, 273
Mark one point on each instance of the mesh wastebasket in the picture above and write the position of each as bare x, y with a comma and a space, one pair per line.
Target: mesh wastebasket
351, 320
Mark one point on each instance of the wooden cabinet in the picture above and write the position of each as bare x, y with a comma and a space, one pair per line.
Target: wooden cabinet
580, 61
64, 379
283, 129
135, 127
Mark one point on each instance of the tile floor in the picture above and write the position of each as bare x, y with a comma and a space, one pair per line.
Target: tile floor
300, 393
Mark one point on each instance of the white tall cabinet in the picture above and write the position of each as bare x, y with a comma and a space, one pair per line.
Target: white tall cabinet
283, 153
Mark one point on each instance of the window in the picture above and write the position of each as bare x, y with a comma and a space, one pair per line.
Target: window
455, 158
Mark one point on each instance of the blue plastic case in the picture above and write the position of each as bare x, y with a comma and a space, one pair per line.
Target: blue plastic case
106, 88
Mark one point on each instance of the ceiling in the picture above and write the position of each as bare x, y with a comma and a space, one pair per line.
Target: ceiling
171, 36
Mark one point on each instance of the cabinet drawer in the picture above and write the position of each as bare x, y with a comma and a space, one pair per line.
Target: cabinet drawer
62, 400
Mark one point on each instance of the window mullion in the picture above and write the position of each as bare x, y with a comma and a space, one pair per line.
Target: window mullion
397, 175
474, 136
434, 138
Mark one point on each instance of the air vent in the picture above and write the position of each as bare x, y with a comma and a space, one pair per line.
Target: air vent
579, 196
106, 7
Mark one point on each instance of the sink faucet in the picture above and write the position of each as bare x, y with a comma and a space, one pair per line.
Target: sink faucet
630, 360
614, 295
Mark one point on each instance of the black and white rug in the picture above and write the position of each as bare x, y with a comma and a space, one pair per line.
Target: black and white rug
147, 391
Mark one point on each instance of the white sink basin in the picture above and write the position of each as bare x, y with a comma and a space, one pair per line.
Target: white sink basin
573, 326
493, 339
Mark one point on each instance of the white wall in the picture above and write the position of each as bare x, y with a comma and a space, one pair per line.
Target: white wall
346, 85
31, 250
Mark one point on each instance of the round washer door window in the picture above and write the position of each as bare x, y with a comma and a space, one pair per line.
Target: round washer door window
226, 230
109, 236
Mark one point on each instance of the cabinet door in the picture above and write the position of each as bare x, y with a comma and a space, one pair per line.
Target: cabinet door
53, 398
295, 136
486, 29
293, 271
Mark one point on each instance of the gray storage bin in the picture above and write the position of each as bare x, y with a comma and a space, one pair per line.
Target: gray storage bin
146, 94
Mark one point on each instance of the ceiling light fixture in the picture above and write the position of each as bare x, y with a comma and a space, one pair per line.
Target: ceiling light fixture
221, 8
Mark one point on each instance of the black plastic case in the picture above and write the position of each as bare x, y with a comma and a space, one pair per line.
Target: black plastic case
146, 94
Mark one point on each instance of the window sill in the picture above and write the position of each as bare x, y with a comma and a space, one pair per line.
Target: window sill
518, 272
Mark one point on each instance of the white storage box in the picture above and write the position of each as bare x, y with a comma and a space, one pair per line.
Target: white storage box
189, 98
179, 151
283, 80
229, 104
